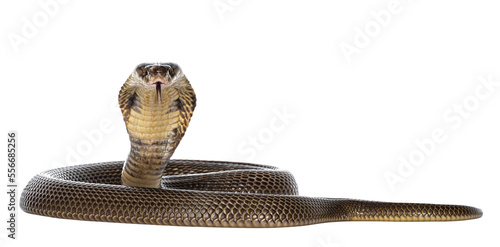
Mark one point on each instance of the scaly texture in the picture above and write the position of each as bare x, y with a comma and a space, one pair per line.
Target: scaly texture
157, 103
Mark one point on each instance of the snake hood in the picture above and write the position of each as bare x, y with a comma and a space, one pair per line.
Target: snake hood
157, 102
146, 77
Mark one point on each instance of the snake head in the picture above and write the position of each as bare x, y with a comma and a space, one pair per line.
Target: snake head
163, 82
154, 74
158, 75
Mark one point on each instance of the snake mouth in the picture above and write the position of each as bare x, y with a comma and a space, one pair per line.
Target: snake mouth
158, 91
159, 83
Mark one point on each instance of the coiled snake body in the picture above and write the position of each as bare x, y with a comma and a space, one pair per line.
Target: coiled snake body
157, 102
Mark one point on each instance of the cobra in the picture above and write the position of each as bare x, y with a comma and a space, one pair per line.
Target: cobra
157, 102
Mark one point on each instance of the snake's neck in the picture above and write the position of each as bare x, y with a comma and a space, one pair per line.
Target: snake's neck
155, 129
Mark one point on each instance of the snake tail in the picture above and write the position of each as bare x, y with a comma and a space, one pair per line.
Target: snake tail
360, 210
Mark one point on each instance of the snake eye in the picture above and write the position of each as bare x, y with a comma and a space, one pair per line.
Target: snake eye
171, 72
141, 70
175, 70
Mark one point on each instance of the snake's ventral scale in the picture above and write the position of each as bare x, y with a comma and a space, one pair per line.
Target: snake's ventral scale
157, 102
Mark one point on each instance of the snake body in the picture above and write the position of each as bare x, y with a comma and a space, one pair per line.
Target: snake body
157, 102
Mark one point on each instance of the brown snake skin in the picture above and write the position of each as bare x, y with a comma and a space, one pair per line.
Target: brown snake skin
157, 102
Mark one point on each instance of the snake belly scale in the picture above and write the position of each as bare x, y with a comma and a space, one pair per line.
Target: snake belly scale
157, 102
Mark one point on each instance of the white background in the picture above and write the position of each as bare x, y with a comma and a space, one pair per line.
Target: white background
351, 120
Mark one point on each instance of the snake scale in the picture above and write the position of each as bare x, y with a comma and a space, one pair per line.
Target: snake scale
157, 102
